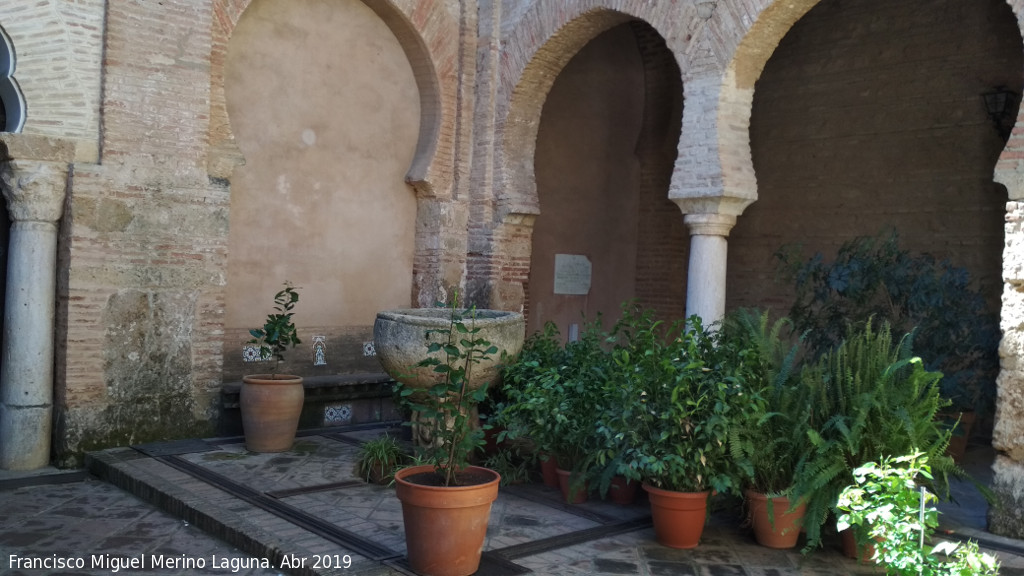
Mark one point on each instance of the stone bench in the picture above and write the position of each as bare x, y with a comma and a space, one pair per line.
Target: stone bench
333, 400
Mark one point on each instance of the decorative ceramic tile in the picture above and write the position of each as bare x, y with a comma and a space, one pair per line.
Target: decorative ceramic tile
368, 349
337, 414
319, 350
251, 354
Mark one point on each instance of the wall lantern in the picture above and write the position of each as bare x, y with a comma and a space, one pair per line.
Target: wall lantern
1001, 104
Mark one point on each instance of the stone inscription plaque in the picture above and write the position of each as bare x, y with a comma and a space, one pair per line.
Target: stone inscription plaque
572, 274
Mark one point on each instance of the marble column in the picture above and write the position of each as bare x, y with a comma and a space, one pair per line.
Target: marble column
34, 192
705, 279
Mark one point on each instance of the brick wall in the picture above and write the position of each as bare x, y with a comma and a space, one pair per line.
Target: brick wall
869, 116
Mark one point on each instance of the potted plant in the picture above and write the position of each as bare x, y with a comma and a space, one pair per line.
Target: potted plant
775, 435
552, 398
694, 392
869, 398
955, 332
447, 496
888, 501
378, 459
272, 403
525, 398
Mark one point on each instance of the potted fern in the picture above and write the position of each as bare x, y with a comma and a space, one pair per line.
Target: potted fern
272, 403
775, 436
869, 398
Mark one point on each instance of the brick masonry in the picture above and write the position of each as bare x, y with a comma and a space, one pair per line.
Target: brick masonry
136, 89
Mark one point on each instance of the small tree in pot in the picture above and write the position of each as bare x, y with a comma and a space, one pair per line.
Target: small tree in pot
272, 403
448, 496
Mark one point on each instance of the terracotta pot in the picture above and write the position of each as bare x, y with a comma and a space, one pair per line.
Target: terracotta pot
777, 528
445, 526
549, 471
849, 543
961, 434
678, 516
271, 406
578, 496
622, 491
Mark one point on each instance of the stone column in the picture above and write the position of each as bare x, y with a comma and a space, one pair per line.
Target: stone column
35, 199
705, 279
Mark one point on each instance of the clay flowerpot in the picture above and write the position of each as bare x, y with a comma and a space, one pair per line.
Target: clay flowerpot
776, 527
850, 548
622, 491
678, 516
964, 422
271, 406
565, 481
445, 526
549, 471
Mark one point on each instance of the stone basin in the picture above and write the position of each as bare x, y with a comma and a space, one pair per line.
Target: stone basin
401, 341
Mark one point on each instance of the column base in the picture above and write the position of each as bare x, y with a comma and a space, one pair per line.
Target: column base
1006, 517
26, 437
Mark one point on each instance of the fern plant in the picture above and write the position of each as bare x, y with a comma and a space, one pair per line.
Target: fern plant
869, 398
774, 437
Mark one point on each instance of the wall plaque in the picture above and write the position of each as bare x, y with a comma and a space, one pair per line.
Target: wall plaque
572, 274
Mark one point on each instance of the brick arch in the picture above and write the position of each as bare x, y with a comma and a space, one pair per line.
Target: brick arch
541, 43
714, 170
1009, 170
430, 39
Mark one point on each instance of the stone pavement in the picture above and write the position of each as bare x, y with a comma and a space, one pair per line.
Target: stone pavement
211, 507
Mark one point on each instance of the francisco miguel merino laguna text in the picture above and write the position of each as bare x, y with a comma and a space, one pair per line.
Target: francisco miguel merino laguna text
140, 562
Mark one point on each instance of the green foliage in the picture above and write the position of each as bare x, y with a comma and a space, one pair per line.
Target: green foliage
380, 456
776, 434
887, 504
551, 394
873, 277
278, 333
691, 388
446, 407
513, 466
869, 398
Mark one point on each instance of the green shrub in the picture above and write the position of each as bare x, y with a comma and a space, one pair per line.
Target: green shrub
872, 277
888, 506
869, 398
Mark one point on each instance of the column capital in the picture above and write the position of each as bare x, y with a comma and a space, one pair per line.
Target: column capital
34, 189
709, 224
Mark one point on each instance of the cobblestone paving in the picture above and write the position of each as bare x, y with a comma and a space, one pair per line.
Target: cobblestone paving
90, 517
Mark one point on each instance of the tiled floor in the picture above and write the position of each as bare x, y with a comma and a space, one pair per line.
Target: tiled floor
306, 502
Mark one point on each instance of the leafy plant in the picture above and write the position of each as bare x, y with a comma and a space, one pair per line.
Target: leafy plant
513, 466
446, 407
874, 277
692, 388
278, 333
868, 399
551, 394
776, 434
886, 502
379, 458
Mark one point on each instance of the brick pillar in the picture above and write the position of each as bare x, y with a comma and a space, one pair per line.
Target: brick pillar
35, 195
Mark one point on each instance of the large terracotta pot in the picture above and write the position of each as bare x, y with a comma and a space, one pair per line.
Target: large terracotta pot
622, 491
678, 516
400, 339
445, 526
271, 406
549, 470
779, 527
565, 484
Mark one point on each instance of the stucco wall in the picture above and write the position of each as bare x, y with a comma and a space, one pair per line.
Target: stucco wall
325, 110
